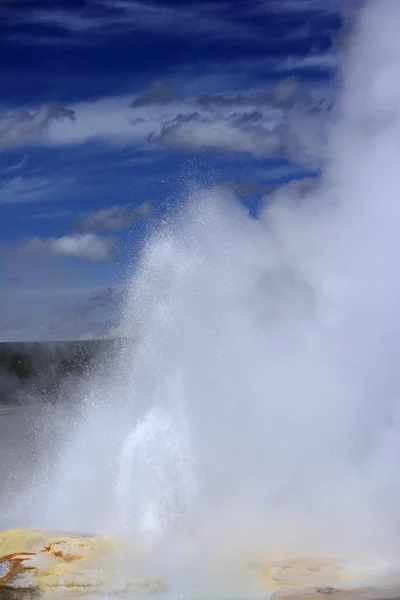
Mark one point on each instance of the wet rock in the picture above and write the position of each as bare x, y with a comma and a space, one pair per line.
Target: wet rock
35, 564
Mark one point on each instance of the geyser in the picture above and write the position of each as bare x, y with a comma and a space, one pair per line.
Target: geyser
253, 409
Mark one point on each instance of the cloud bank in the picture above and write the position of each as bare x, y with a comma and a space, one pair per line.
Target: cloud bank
270, 122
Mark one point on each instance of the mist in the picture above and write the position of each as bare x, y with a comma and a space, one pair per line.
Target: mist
257, 411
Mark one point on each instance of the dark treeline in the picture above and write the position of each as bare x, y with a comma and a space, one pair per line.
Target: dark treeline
29, 370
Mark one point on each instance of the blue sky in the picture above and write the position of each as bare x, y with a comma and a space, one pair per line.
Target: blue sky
110, 109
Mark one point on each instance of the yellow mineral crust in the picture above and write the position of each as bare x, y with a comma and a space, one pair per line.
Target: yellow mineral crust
21, 540
326, 576
40, 563
37, 564
302, 572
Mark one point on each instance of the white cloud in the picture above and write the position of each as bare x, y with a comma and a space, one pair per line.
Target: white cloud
21, 127
281, 128
215, 124
254, 122
113, 218
85, 245
109, 120
236, 134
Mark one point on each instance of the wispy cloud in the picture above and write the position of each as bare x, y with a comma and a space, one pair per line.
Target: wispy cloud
301, 6
21, 127
4, 170
29, 189
86, 246
113, 17
113, 218
314, 61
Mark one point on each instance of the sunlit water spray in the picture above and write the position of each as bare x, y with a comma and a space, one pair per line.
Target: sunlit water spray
157, 453
253, 410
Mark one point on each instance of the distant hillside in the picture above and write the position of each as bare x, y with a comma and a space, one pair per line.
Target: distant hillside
40, 369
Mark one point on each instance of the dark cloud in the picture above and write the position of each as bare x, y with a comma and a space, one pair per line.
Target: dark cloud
245, 119
22, 126
238, 133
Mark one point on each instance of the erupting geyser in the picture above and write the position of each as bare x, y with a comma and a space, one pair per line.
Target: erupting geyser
253, 408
